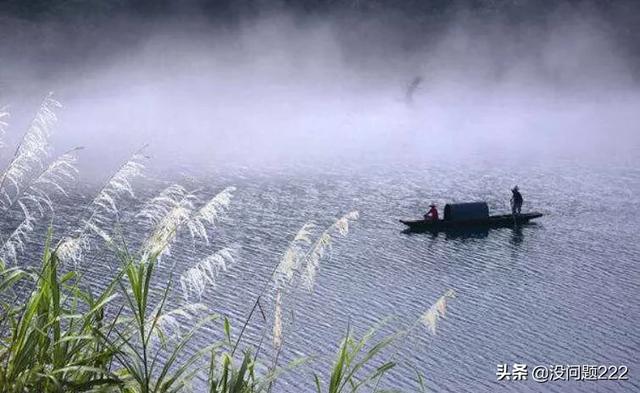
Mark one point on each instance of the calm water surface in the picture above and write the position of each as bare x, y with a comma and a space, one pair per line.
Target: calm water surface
563, 291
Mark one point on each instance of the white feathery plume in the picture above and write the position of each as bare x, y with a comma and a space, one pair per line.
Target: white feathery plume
27, 189
277, 323
196, 279
4, 116
293, 256
165, 213
104, 204
322, 245
168, 325
154, 210
30, 154
71, 249
438, 310
50, 180
98, 231
175, 207
209, 213
159, 243
289, 264
15, 242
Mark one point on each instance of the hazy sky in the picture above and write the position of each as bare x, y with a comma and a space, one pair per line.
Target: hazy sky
291, 83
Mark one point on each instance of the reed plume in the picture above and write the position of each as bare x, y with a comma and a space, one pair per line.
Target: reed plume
283, 275
30, 154
292, 261
155, 209
38, 197
196, 279
165, 214
209, 213
71, 248
277, 324
17, 239
169, 325
99, 231
102, 208
174, 208
52, 179
22, 185
437, 311
323, 245
4, 123
293, 256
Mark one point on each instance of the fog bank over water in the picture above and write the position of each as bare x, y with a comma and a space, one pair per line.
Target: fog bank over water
284, 89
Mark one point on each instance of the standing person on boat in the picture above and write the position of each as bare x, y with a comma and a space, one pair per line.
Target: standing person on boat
516, 201
432, 214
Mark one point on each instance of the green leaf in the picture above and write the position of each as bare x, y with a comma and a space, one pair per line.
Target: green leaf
227, 329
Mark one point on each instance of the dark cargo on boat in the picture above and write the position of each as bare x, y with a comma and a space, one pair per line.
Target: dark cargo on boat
466, 211
469, 215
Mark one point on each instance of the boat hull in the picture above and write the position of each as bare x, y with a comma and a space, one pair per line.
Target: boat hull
500, 221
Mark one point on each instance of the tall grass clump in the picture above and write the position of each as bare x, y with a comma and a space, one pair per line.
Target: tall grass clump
52, 343
138, 331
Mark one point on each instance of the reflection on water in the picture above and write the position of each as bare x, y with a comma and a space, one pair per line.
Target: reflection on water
475, 233
479, 233
517, 235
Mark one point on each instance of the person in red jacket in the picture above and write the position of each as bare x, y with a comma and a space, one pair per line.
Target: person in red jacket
432, 214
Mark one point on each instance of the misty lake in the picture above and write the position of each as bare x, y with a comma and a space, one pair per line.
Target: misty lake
561, 291
187, 145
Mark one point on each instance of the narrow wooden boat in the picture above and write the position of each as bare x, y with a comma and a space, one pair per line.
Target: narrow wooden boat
469, 216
